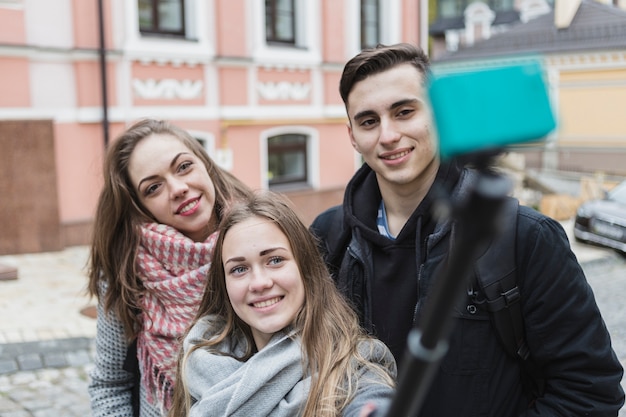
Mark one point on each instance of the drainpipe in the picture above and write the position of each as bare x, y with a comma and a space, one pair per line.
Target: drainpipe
103, 75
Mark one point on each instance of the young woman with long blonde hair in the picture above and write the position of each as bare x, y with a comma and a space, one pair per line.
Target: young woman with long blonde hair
273, 336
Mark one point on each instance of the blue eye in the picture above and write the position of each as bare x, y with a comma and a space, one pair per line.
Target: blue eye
274, 260
238, 270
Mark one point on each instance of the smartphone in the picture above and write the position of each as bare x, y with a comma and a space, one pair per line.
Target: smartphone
491, 107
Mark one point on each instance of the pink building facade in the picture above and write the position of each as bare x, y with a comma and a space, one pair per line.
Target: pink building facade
255, 81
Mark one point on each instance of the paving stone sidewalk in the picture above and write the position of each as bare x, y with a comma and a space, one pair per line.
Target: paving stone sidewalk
45, 393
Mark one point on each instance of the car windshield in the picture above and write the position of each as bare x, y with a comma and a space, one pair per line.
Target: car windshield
618, 193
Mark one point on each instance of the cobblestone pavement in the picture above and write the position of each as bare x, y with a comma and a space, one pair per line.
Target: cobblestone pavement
46, 378
48, 392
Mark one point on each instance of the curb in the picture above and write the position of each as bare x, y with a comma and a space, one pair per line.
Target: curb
58, 353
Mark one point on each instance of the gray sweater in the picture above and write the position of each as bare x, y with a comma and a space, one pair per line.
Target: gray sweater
110, 386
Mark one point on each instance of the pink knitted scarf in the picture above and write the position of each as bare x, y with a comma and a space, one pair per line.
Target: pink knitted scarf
173, 269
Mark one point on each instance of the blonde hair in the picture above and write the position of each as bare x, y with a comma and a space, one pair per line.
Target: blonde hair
330, 331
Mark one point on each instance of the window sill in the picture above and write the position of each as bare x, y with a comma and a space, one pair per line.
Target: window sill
290, 187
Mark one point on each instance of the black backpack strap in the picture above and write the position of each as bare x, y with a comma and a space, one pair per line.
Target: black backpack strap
332, 236
496, 276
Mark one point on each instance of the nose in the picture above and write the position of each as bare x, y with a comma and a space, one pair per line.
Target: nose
260, 281
388, 131
178, 188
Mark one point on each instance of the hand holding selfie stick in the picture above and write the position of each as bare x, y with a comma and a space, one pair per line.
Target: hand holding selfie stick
476, 222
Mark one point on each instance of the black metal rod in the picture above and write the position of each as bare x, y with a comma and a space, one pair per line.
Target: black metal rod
476, 223
103, 75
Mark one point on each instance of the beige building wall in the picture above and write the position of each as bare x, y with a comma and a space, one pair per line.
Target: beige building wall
592, 107
589, 92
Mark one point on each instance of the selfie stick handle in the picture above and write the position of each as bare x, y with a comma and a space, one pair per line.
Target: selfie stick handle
475, 224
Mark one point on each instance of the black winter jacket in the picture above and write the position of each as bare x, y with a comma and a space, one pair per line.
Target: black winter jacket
565, 332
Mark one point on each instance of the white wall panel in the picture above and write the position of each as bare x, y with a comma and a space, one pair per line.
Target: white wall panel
52, 85
49, 23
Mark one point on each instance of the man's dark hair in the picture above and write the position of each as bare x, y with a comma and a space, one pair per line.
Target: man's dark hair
378, 59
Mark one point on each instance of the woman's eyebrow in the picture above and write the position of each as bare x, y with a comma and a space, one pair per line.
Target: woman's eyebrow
178, 155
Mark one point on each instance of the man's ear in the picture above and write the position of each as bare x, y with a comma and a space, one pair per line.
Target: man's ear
352, 141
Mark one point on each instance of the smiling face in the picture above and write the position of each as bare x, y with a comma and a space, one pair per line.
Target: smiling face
173, 184
390, 126
263, 280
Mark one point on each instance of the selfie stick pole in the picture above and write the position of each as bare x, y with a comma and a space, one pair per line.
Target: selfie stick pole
476, 222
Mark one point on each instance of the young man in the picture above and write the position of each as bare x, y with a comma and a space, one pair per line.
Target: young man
383, 246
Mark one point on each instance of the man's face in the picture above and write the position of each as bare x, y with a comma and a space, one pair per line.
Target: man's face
390, 126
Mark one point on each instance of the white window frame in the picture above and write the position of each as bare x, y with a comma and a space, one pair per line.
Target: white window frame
196, 47
307, 31
390, 27
12, 4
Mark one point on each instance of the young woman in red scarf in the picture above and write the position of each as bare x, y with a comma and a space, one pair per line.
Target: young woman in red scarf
154, 233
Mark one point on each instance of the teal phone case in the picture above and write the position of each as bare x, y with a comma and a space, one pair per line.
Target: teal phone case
490, 107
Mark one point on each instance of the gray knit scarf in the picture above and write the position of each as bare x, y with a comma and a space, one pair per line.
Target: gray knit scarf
270, 383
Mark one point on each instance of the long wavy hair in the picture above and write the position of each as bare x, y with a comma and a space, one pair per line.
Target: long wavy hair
328, 327
119, 213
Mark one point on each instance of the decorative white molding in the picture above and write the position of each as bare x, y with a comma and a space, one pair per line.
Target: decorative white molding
530, 9
478, 16
609, 59
453, 39
151, 89
284, 90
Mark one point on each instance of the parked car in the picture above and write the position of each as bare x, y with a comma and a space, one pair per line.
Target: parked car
603, 221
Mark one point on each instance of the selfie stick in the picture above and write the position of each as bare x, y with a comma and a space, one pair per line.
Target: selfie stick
476, 221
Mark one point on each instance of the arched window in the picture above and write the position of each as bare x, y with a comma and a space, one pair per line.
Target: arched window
290, 158
287, 159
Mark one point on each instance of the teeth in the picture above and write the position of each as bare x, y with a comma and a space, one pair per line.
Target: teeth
266, 303
398, 155
188, 207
